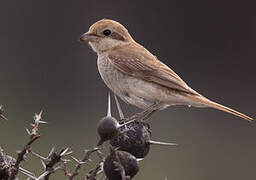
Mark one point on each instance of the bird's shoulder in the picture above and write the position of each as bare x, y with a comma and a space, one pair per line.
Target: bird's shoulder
135, 60
135, 54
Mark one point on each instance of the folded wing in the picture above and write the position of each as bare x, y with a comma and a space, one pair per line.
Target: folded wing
138, 62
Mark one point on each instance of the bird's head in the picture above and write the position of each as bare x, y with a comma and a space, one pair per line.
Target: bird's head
105, 35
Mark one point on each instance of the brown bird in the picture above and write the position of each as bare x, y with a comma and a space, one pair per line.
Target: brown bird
136, 75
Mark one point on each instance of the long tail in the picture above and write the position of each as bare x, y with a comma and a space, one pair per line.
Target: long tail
215, 105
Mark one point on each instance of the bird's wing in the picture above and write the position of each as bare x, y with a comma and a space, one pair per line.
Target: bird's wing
136, 61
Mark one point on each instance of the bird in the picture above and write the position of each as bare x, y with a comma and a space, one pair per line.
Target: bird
136, 75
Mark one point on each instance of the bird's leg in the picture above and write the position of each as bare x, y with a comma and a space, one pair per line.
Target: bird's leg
144, 115
149, 114
121, 114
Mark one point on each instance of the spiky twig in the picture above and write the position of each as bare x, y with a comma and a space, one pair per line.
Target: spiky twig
81, 162
21, 156
6, 162
92, 175
51, 160
27, 173
2, 113
34, 135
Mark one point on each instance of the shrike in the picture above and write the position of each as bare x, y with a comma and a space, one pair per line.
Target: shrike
136, 75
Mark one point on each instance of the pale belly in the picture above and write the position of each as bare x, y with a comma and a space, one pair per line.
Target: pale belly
135, 91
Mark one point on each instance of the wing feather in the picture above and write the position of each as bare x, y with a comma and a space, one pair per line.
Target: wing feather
136, 61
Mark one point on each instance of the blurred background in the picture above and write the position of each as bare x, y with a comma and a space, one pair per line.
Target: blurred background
210, 44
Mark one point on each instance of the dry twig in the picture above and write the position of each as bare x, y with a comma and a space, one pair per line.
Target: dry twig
34, 135
2, 113
81, 162
51, 160
92, 175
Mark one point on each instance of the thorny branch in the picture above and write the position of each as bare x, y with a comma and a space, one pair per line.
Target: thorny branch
2, 113
9, 167
51, 160
12, 166
21, 156
34, 135
92, 175
5, 163
83, 161
56, 158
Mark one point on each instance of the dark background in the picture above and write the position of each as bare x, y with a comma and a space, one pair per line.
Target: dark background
210, 44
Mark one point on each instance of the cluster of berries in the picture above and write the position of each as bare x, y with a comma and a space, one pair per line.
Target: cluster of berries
130, 139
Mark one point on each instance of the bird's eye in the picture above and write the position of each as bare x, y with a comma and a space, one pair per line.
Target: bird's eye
107, 32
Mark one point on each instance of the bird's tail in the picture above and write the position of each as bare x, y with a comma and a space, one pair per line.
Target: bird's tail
215, 105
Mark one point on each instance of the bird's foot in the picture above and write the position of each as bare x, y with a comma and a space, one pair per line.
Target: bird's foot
143, 115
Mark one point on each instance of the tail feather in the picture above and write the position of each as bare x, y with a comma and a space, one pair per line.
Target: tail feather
215, 105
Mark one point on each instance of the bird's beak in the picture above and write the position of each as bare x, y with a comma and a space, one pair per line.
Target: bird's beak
87, 37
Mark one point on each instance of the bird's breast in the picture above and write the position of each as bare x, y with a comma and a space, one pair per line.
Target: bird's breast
110, 75
121, 84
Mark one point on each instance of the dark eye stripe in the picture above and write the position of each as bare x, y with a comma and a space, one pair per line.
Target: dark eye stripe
117, 36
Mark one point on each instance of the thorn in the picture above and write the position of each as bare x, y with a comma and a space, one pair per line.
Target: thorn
162, 143
65, 152
65, 160
52, 151
98, 151
57, 168
43, 122
27, 173
78, 161
40, 114
43, 175
109, 106
43, 163
68, 153
139, 159
3, 117
1, 113
38, 117
81, 162
28, 131
38, 156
